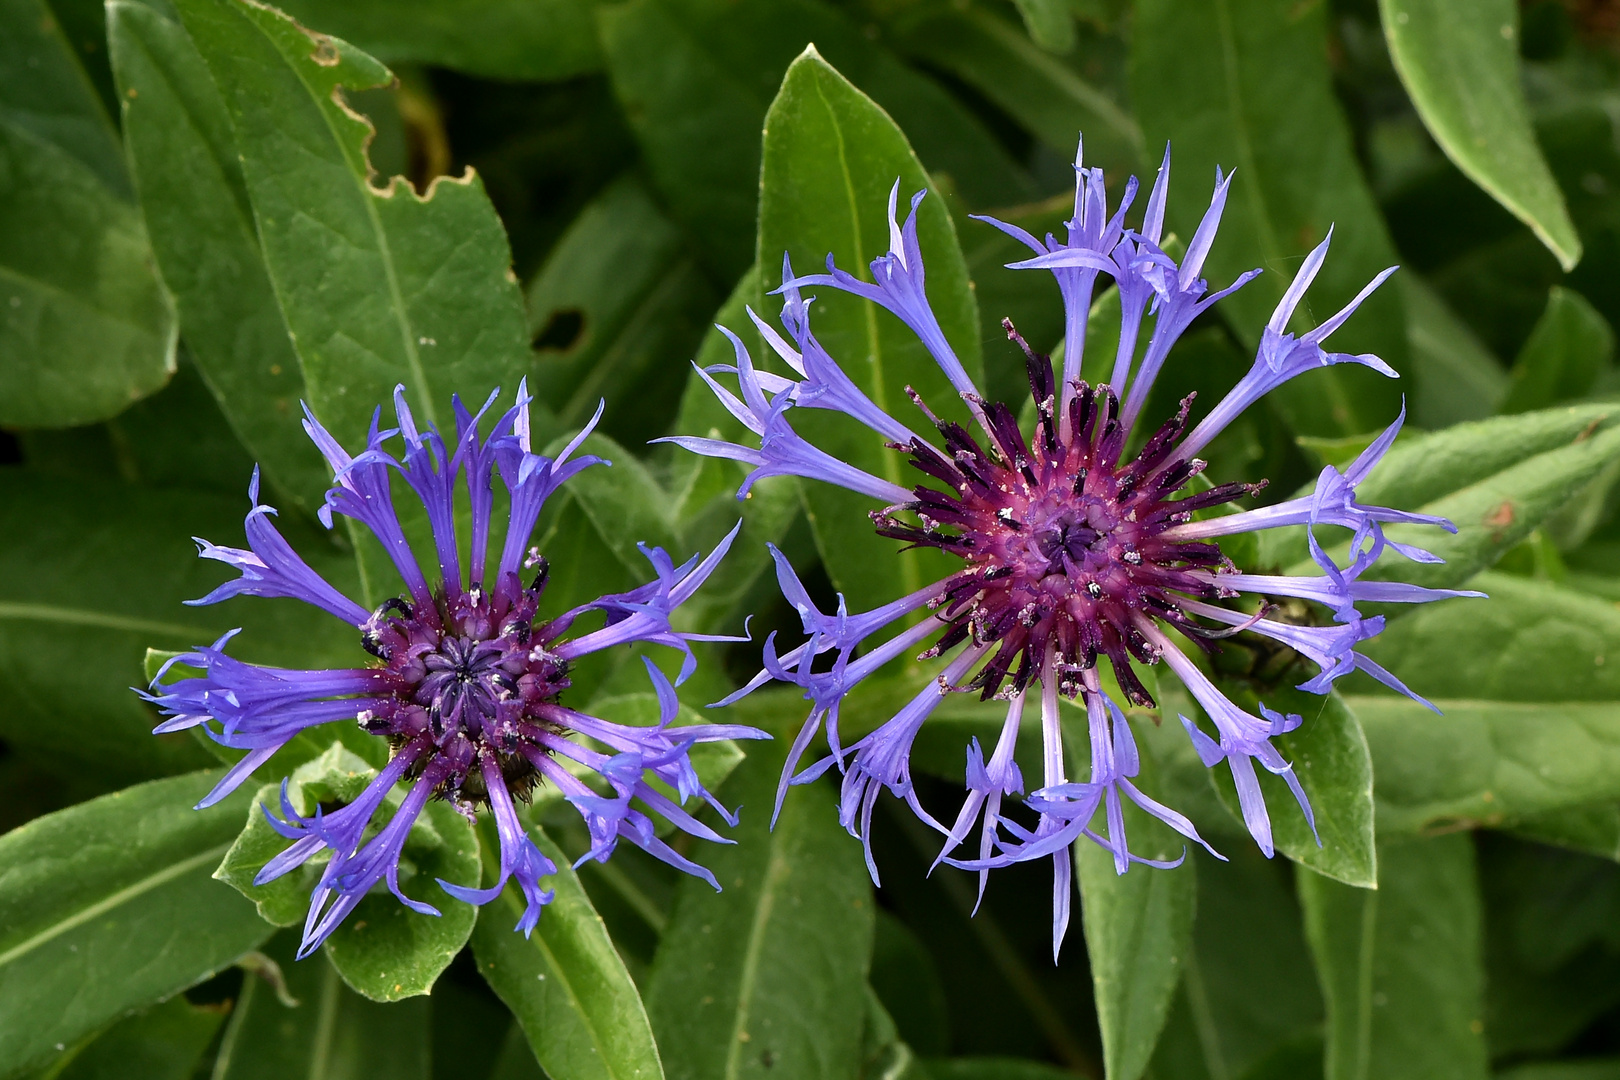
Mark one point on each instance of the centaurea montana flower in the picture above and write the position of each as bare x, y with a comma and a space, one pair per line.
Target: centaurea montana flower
466, 678
1072, 553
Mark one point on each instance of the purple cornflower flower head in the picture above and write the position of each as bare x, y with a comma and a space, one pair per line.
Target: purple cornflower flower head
466, 677
1072, 552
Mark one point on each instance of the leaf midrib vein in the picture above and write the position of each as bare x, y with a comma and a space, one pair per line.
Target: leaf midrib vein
101, 907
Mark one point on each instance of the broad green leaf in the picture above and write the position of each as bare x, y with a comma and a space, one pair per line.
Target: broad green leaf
91, 574
1569, 349
612, 311
1425, 469
498, 39
378, 286
85, 324
1331, 758
831, 156
696, 78
1502, 761
1401, 966
1041, 92
768, 977
1245, 84
1050, 23
1593, 829
165, 1042
1499, 511
1453, 376
182, 150
387, 951
46, 92
565, 983
108, 906
325, 1031
1248, 993
1139, 929
1532, 642
1458, 59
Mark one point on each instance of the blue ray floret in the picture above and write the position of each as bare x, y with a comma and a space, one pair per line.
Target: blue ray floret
466, 678
1073, 553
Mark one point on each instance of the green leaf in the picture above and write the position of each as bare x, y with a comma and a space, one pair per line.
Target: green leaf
377, 286
565, 983
91, 574
1497, 512
1503, 761
45, 92
1050, 23
387, 951
107, 906
768, 977
85, 324
1042, 93
182, 149
1459, 61
1532, 642
1401, 966
1331, 758
313, 1025
1248, 994
498, 39
612, 311
1569, 349
1424, 469
165, 1042
695, 78
1139, 929
1245, 84
831, 156
1594, 830
1453, 376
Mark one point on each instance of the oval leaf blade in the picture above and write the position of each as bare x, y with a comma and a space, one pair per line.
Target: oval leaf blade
1459, 60
566, 983
108, 905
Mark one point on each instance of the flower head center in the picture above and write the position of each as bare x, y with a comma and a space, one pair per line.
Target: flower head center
1063, 545
472, 674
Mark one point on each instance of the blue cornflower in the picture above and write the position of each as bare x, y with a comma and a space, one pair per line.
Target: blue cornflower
466, 679
1071, 553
